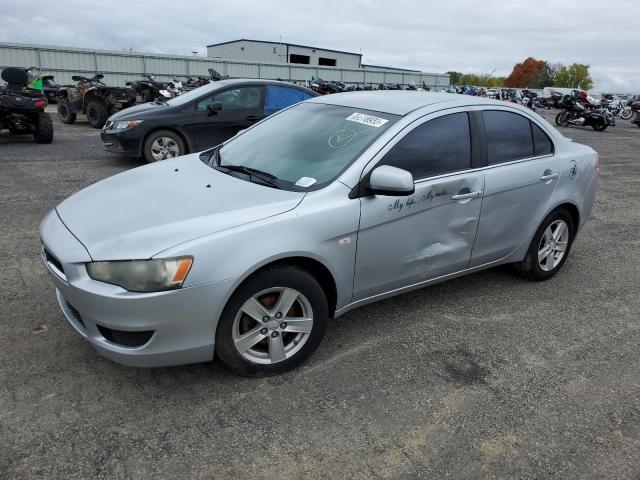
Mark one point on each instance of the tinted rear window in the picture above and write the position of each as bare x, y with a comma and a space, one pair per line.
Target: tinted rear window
508, 136
435, 147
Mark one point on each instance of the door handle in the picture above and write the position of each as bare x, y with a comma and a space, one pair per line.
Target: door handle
253, 118
465, 196
549, 176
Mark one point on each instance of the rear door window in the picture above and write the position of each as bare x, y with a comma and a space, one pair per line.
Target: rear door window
438, 146
508, 136
279, 97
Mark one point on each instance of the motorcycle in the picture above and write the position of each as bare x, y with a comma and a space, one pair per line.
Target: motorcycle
577, 114
173, 89
617, 107
635, 109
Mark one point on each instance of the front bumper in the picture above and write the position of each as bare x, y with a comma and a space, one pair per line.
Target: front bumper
181, 323
122, 141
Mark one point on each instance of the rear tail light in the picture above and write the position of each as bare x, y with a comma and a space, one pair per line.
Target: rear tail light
597, 162
40, 103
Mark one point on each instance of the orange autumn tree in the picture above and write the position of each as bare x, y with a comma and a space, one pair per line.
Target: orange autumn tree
531, 73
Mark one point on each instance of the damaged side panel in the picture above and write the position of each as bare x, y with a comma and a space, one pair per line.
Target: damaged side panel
407, 240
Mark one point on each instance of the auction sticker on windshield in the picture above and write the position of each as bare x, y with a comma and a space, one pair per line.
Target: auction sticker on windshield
367, 119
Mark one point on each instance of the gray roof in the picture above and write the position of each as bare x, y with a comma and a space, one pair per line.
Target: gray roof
282, 43
399, 102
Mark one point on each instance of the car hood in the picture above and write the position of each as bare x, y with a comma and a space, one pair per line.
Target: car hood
138, 112
141, 212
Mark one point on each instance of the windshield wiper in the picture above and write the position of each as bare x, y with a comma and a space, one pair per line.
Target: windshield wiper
265, 177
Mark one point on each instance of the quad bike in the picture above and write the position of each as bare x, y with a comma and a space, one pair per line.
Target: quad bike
43, 82
93, 98
22, 108
148, 88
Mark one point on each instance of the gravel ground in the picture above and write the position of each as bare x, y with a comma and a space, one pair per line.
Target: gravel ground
487, 376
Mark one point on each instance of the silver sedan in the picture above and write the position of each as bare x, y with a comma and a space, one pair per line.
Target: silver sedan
246, 250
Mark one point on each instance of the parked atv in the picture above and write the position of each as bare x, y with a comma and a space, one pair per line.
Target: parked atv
148, 88
93, 98
22, 108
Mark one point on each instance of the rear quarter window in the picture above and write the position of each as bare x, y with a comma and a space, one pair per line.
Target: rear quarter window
282, 97
542, 144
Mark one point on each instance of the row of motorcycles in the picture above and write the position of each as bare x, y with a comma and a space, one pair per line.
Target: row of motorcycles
326, 87
580, 109
149, 89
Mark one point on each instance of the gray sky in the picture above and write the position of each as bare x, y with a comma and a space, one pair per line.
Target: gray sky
463, 35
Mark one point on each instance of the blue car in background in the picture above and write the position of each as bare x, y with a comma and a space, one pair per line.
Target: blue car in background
199, 119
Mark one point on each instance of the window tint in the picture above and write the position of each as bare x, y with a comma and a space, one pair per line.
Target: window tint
282, 97
508, 136
438, 146
234, 99
542, 145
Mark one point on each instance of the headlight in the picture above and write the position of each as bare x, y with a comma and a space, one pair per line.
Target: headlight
142, 275
122, 124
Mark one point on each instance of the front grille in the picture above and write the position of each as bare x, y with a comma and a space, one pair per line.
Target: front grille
76, 314
53, 260
125, 339
108, 125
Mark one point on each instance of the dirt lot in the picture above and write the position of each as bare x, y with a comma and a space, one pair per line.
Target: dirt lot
487, 376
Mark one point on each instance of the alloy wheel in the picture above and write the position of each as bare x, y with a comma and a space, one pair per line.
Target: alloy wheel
553, 245
272, 325
164, 147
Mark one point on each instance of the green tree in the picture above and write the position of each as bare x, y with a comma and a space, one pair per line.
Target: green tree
573, 76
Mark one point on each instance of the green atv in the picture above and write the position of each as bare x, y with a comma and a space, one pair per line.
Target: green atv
93, 98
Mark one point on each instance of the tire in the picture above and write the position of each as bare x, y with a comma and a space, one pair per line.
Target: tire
561, 119
273, 349
161, 145
65, 113
97, 113
626, 114
534, 268
600, 126
44, 130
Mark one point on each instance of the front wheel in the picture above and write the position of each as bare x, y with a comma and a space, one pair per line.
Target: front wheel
273, 322
161, 145
562, 119
601, 126
44, 129
549, 247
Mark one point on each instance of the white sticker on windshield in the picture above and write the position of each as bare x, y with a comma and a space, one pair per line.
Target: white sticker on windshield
305, 182
367, 119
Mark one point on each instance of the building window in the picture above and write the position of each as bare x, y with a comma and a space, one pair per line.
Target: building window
327, 62
274, 49
304, 59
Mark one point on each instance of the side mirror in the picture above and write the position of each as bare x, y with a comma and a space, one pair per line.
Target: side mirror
214, 108
392, 181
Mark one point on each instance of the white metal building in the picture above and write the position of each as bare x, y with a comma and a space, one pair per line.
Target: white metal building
274, 52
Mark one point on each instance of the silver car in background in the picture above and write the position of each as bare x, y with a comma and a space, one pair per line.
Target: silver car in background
246, 250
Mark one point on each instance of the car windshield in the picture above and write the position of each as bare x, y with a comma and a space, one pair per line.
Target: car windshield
306, 146
193, 94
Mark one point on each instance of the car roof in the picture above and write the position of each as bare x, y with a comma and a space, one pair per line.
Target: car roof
400, 102
259, 81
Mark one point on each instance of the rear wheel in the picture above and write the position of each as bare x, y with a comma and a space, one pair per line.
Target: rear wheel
549, 247
97, 113
161, 145
626, 113
44, 129
64, 112
273, 322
